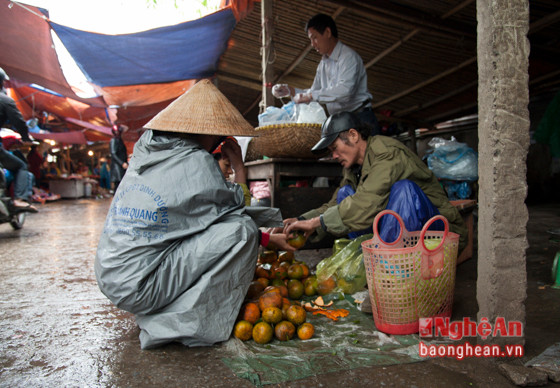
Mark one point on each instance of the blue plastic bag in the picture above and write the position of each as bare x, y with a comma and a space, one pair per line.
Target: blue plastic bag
457, 190
409, 201
450, 159
346, 191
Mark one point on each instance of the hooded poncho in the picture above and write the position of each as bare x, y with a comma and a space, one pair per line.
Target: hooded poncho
178, 248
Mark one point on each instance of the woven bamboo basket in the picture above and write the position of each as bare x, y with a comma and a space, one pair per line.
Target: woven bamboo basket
289, 140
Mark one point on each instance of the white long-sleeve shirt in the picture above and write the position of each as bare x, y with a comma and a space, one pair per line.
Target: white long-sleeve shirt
340, 81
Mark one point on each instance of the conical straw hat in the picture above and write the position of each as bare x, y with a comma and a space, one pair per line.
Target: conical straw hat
204, 110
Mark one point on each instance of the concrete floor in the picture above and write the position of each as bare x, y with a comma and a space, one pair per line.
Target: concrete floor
57, 329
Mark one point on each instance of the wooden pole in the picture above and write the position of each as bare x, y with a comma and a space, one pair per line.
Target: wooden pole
68, 161
266, 54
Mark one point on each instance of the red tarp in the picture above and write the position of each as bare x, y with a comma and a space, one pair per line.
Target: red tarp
28, 57
28, 50
73, 137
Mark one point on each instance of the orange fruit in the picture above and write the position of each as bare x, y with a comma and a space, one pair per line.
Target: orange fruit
263, 281
283, 291
295, 289
285, 306
280, 272
326, 286
268, 256
277, 282
297, 241
272, 315
286, 257
295, 271
305, 331
285, 330
310, 286
273, 266
305, 269
262, 333
309, 289
270, 299
255, 289
243, 330
275, 289
345, 286
262, 272
296, 314
250, 313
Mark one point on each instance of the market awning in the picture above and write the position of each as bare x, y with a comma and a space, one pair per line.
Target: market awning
85, 124
74, 137
184, 51
28, 52
146, 70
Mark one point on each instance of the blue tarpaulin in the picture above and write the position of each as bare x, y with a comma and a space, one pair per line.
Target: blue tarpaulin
184, 51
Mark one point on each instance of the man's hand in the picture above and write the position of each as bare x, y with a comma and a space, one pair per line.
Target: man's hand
288, 221
280, 241
308, 226
303, 98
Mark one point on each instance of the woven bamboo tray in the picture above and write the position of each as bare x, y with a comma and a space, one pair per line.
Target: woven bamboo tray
289, 140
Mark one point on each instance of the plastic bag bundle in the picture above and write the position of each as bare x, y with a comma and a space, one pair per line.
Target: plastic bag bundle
312, 113
273, 115
457, 190
346, 265
450, 159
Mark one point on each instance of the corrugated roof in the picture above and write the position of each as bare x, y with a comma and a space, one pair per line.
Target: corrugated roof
420, 55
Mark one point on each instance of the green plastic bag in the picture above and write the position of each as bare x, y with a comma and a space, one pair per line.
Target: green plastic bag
346, 265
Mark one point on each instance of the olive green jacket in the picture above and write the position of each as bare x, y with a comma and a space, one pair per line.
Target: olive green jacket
386, 161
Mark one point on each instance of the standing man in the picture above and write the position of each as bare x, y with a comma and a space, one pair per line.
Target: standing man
341, 79
119, 156
9, 114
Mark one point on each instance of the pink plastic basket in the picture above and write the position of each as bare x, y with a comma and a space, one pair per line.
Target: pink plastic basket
408, 281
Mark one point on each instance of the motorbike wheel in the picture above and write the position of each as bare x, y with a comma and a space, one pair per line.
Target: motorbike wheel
18, 220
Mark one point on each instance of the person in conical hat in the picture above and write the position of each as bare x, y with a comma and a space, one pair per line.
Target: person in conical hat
179, 247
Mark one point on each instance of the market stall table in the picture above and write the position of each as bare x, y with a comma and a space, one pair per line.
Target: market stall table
67, 187
279, 172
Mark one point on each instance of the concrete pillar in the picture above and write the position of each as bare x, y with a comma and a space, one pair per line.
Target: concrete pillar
503, 133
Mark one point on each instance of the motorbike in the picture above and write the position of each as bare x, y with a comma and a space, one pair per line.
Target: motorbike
8, 212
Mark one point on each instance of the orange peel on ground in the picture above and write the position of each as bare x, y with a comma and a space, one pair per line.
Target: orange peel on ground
332, 314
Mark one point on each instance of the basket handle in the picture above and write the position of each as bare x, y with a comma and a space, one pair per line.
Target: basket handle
425, 229
432, 262
378, 218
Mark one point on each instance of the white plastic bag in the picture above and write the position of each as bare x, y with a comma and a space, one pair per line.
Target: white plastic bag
310, 113
273, 115
450, 159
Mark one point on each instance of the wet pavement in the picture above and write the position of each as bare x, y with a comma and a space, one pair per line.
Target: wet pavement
58, 329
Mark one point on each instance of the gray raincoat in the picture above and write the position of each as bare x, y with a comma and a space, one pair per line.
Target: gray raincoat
178, 248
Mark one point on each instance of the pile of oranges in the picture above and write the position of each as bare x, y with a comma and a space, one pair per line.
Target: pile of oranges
273, 309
